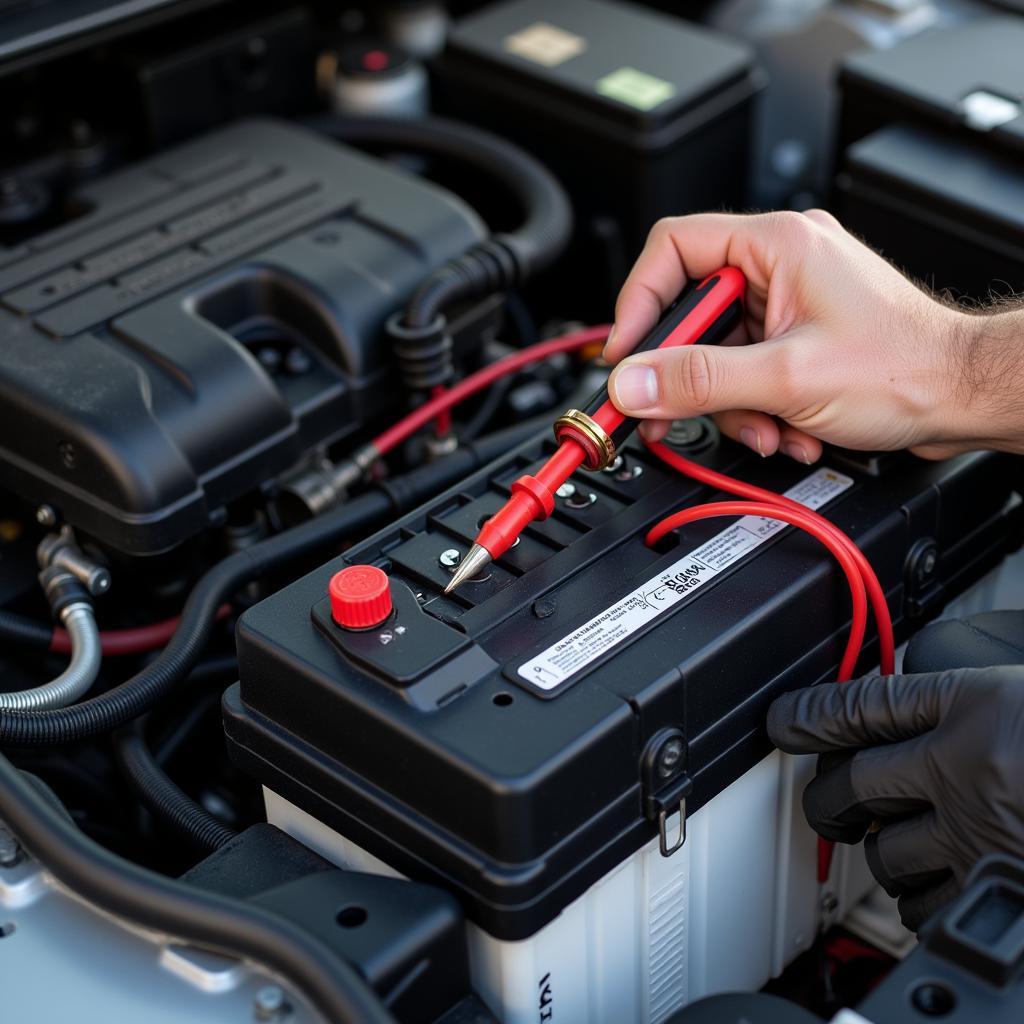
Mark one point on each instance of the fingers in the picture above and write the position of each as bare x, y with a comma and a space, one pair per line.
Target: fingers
907, 854
850, 793
766, 436
701, 379
918, 906
679, 248
862, 713
655, 430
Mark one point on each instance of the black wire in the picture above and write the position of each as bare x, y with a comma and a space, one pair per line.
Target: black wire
207, 919
487, 410
23, 630
163, 796
526, 335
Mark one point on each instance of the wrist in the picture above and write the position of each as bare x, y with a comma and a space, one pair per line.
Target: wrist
987, 381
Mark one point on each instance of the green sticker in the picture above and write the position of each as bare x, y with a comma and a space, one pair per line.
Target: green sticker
637, 88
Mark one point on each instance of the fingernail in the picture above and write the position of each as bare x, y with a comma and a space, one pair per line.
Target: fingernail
635, 387
752, 439
797, 451
608, 341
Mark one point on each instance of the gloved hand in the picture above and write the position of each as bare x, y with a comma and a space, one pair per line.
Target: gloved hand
930, 767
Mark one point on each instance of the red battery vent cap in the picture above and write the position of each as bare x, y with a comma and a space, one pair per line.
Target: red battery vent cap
360, 597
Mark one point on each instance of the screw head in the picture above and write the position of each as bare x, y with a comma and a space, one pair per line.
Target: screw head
10, 849
297, 361
46, 516
615, 465
450, 558
581, 499
567, 490
270, 1004
670, 756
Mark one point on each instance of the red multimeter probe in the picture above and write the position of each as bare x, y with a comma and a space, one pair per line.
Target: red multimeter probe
591, 437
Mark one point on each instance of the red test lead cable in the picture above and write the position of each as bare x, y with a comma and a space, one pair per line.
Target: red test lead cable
590, 437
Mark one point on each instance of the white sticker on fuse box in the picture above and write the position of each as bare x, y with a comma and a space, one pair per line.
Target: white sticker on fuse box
573, 653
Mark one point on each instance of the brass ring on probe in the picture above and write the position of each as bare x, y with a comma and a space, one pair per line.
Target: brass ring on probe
600, 448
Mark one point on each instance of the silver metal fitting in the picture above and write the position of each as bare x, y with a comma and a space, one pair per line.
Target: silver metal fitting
450, 558
62, 550
270, 1004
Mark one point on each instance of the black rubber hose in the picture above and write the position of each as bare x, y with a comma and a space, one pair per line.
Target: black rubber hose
22, 630
160, 904
545, 231
163, 796
135, 696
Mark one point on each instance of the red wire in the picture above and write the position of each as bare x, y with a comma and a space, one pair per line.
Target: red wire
409, 424
443, 423
137, 640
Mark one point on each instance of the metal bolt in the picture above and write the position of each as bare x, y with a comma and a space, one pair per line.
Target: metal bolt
567, 490
269, 358
10, 849
297, 361
683, 433
670, 755
829, 903
628, 473
928, 563
582, 499
46, 516
270, 1004
615, 465
450, 558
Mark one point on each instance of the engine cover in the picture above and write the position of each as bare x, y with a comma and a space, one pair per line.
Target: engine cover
211, 315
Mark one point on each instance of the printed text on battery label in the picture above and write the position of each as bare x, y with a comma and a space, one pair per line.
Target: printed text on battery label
554, 666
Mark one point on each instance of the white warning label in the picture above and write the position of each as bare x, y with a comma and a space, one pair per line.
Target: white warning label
562, 660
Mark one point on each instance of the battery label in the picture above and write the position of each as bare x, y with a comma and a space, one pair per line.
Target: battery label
561, 661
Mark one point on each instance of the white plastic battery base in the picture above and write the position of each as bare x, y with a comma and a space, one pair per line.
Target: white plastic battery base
730, 909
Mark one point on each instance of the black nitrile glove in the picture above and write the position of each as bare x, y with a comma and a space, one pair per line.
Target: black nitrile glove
930, 766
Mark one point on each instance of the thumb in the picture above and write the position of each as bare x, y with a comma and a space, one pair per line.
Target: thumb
700, 379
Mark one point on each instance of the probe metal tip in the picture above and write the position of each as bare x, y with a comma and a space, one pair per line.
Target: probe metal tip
477, 558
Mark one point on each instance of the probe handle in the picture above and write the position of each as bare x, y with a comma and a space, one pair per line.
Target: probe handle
706, 314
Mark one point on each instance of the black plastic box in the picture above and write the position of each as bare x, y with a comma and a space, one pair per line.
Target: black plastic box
422, 742
640, 114
931, 155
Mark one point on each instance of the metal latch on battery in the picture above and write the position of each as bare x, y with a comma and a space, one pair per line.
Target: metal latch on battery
665, 785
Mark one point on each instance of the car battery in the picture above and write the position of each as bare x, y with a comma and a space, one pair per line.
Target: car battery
932, 154
640, 114
573, 743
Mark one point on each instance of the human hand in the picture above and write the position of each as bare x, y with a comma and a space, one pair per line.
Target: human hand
930, 767
846, 349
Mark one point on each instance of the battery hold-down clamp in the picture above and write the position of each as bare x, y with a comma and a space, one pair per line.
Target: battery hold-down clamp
666, 785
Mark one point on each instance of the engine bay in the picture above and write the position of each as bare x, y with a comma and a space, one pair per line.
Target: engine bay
292, 290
